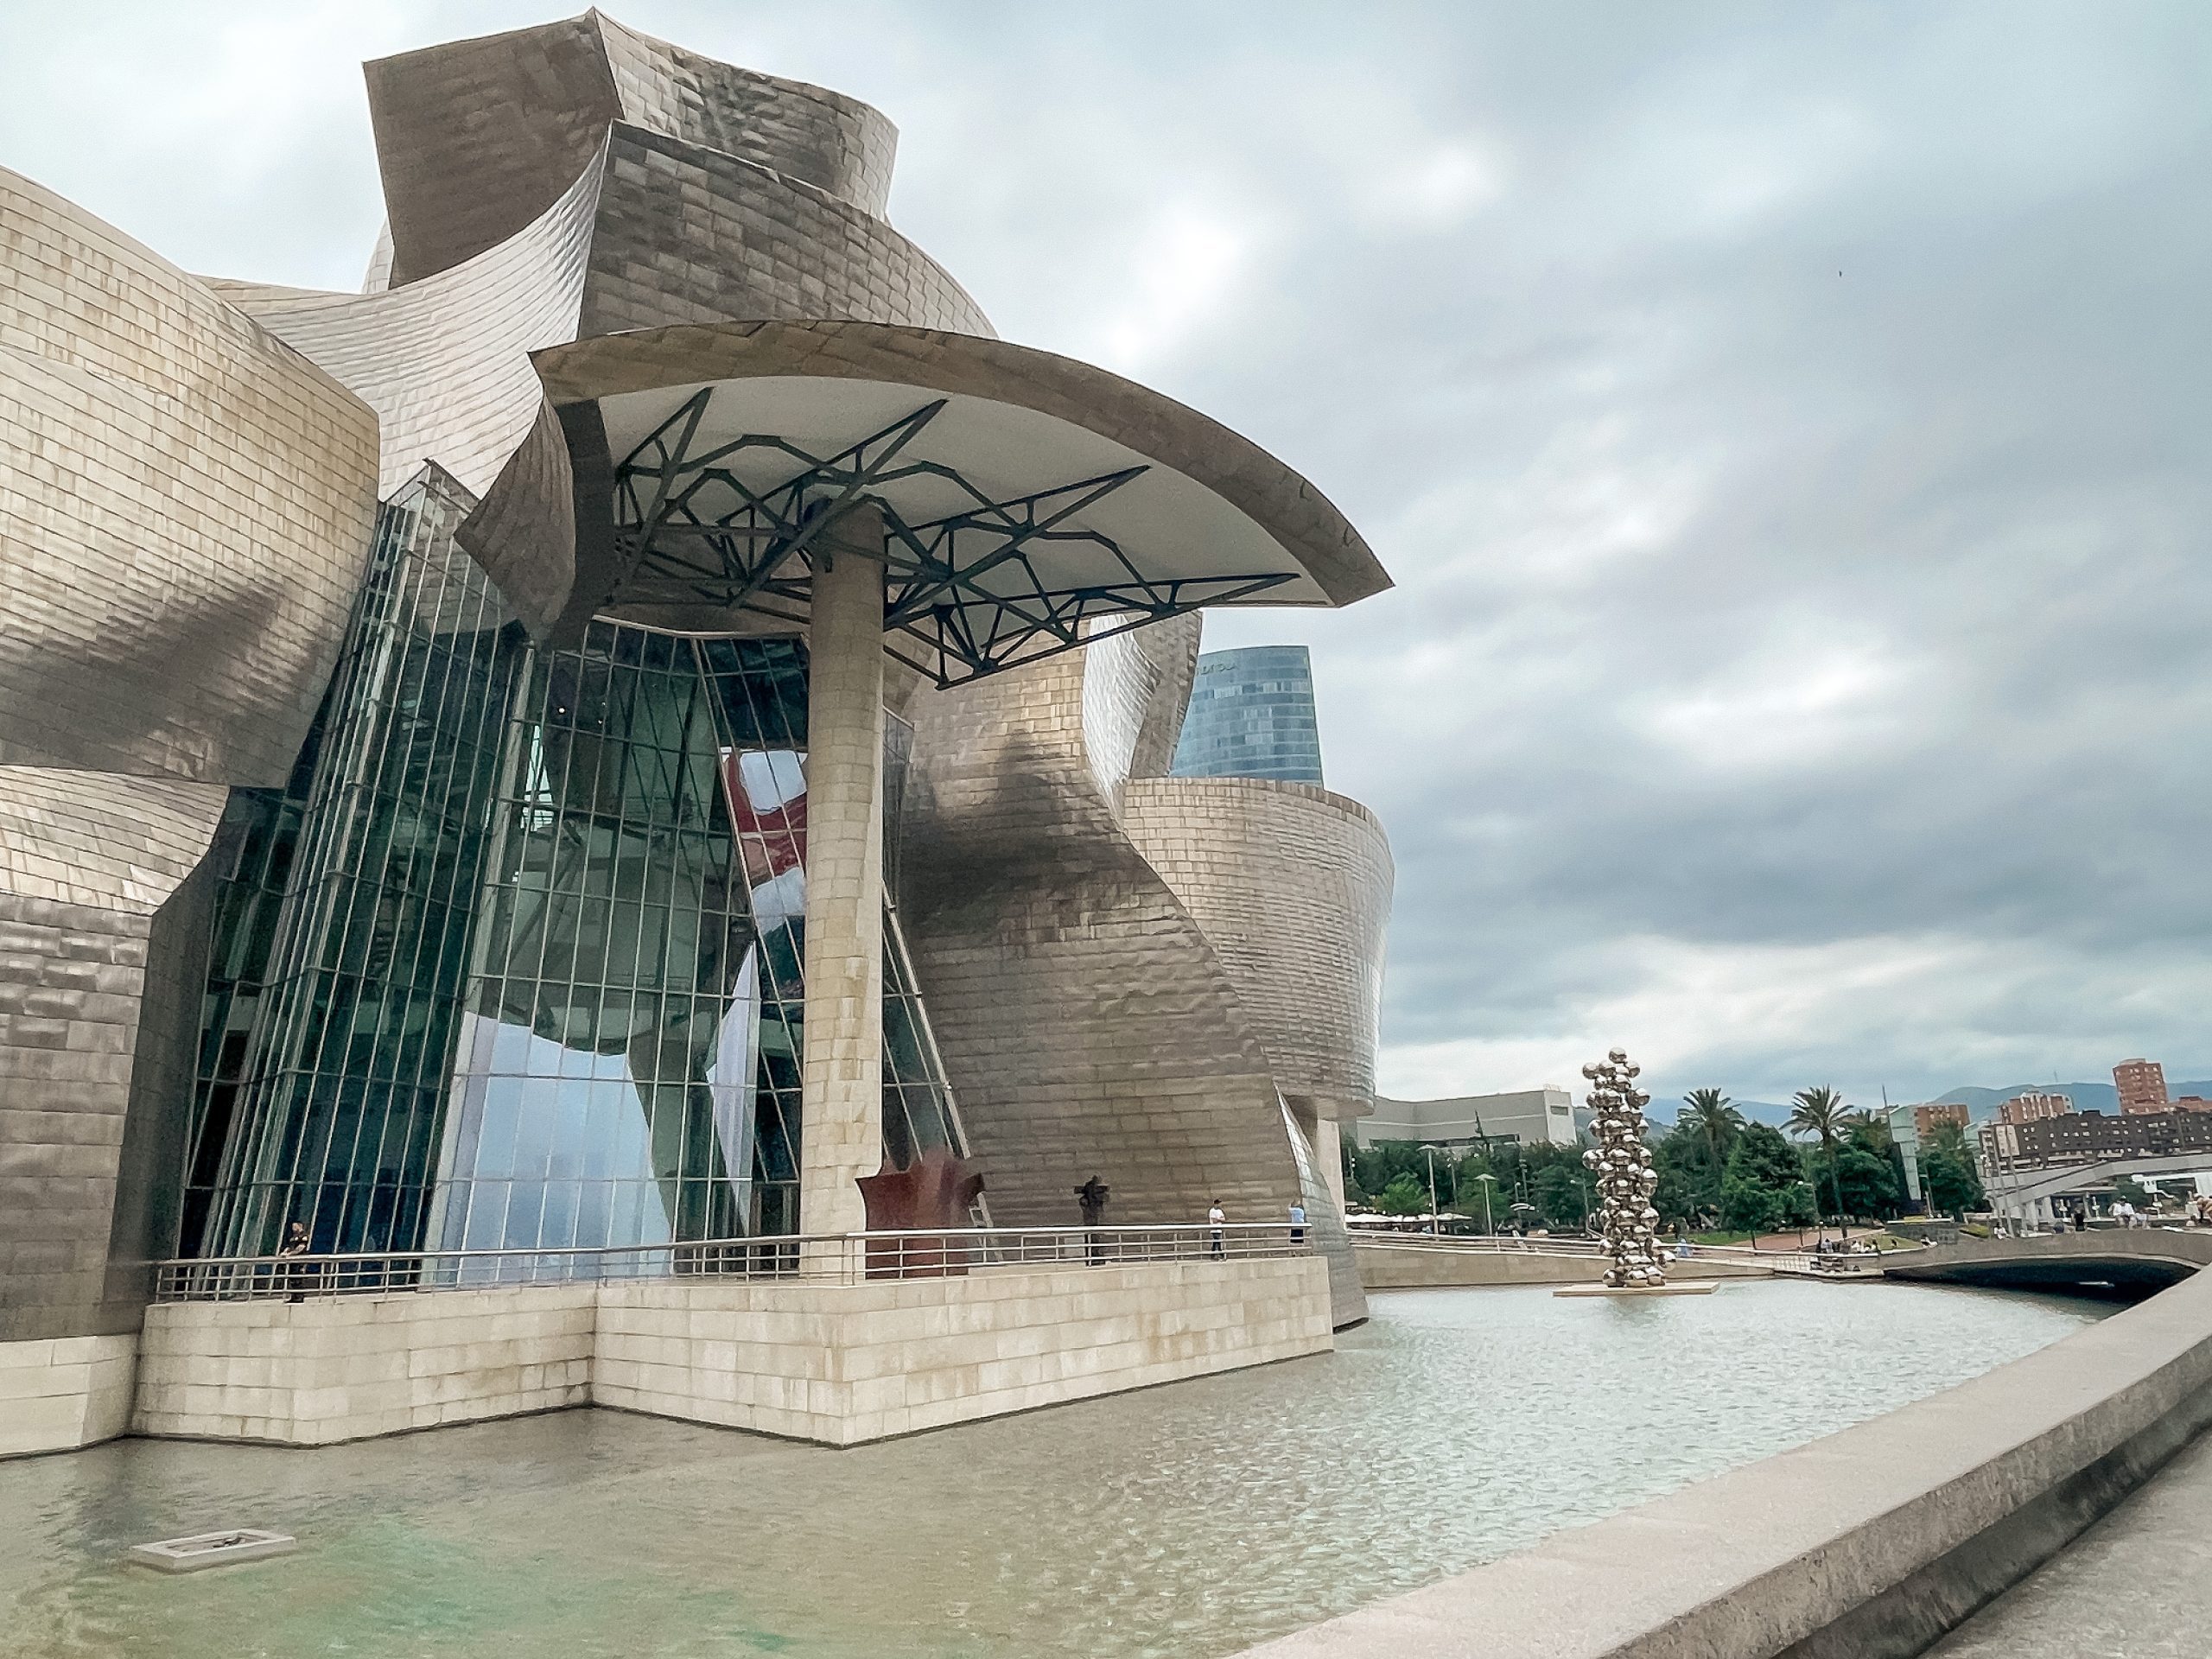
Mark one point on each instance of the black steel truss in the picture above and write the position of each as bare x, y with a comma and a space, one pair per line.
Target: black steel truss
962, 595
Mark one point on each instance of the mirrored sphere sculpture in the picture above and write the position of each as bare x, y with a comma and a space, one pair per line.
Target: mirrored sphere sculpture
1621, 1164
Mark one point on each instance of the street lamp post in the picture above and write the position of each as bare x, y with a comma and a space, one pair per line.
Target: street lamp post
1487, 1181
1430, 1152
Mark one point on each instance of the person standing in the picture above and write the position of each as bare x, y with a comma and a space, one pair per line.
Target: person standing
294, 1272
1091, 1196
1217, 1219
1297, 1221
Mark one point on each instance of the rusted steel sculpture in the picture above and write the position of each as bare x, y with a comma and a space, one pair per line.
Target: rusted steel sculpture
1626, 1180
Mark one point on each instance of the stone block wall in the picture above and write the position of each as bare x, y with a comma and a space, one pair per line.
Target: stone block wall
345, 1368
846, 1363
61, 1392
831, 1363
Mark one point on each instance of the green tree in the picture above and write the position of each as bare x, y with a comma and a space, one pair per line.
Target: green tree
1948, 1174
1404, 1196
1866, 1183
1869, 1129
1377, 1166
1820, 1113
1468, 1181
1763, 1184
1714, 1120
1558, 1195
1689, 1175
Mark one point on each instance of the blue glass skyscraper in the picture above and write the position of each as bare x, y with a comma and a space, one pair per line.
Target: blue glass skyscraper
1251, 715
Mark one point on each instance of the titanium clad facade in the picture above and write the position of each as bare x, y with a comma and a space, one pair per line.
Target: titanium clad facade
89, 864
184, 508
1291, 885
381, 852
212, 488
1252, 716
470, 135
1033, 909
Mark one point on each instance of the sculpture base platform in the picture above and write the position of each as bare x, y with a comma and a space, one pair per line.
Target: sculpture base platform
1704, 1287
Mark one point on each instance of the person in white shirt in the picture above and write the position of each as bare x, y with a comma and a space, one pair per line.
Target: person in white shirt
1217, 1219
1298, 1221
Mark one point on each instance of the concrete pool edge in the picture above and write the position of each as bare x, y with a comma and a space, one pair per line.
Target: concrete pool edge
1869, 1543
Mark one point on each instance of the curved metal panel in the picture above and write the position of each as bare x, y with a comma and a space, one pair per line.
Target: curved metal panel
688, 233
445, 361
474, 138
808, 133
87, 861
1291, 885
88, 838
185, 507
1029, 911
1174, 647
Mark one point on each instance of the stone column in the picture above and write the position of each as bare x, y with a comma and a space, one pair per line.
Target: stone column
841, 1125
1328, 1147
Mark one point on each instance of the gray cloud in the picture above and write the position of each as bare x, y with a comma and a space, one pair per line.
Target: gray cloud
1794, 675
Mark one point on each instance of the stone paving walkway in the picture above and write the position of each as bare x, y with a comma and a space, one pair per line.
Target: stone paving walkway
2136, 1586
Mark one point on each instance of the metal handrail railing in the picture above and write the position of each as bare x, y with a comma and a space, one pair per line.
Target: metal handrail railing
834, 1258
1569, 1245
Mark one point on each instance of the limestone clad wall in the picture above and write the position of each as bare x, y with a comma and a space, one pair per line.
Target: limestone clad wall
833, 1363
344, 1367
902, 1357
185, 507
60, 1393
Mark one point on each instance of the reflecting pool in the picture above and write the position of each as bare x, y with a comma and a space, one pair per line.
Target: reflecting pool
1457, 1426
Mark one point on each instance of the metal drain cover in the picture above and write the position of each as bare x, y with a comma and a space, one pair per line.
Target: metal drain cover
213, 1549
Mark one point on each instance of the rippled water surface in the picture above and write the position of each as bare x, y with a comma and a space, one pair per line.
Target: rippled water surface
1457, 1426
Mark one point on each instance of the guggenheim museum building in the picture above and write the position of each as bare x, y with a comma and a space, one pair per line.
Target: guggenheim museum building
648, 723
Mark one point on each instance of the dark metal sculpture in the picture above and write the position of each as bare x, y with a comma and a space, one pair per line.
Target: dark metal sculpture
964, 596
1626, 1180
935, 1193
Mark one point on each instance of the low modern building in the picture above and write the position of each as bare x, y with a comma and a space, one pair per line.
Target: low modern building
573, 783
1252, 715
1531, 1116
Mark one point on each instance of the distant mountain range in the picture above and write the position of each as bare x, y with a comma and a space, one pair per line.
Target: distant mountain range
1980, 1102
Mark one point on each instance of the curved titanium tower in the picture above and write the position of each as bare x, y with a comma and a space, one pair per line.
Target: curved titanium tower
630, 726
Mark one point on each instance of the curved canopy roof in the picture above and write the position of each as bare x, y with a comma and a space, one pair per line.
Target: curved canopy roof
1025, 495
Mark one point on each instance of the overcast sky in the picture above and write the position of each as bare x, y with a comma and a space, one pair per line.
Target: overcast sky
1787, 425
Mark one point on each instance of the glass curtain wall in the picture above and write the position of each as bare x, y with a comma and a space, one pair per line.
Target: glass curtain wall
603, 1090
253, 852
628, 1065
337, 1119
516, 959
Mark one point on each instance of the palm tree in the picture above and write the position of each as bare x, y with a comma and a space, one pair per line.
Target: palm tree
1715, 1120
1820, 1113
1870, 1128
